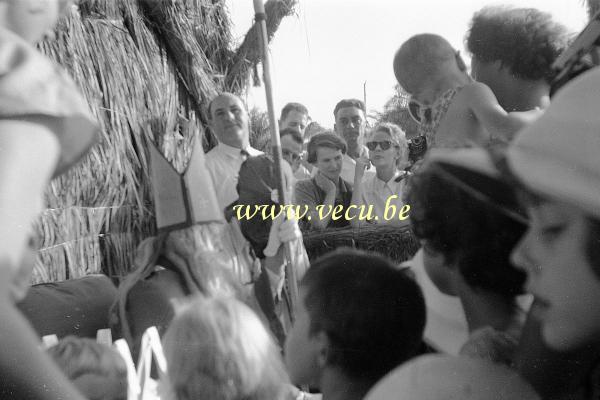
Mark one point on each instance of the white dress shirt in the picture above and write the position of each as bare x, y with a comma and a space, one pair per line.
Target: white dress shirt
223, 163
376, 192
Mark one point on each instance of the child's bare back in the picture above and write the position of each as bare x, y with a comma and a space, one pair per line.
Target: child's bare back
474, 118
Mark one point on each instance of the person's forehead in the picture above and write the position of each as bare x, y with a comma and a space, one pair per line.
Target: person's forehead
349, 112
327, 152
296, 116
379, 135
226, 101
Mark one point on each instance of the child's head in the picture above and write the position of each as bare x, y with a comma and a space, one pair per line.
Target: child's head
31, 19
97, 370
218, 349
357, 314
556, 158
387, 145
423, 60
526, 41
466, 231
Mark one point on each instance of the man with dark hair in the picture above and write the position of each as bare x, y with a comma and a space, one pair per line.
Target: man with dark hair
228, 120
351, 124
358, 318
291, 150
294, 116
512, 52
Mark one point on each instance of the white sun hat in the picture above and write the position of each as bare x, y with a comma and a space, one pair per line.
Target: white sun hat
559, 154
435, 377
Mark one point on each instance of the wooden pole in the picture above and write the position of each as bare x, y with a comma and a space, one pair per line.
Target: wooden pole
290, 271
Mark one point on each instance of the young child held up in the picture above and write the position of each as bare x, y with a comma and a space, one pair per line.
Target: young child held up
451, 108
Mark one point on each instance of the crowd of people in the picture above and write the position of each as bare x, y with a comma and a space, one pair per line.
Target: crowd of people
505, 201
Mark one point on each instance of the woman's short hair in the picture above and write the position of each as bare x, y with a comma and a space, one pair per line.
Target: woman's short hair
217, 348
398, 138
325, 139
470, 233
525, 40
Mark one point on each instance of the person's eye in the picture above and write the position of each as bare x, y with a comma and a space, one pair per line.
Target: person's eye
552, 231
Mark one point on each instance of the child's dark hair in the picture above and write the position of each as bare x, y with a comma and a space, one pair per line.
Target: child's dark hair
467, 231
372, 313
525, 40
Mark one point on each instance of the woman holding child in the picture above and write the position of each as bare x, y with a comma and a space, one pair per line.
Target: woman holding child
388, 152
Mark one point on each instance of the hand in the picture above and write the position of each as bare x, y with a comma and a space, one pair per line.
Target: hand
326, 184
282, 231
362, 164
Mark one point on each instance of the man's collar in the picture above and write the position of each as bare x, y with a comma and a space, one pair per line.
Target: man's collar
236, 151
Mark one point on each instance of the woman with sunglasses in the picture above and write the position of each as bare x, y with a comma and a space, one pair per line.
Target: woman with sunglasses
388, 152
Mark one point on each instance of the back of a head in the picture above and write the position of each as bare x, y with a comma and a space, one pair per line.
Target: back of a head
422, 58
217, 349
525, 40
372, 313
98, 371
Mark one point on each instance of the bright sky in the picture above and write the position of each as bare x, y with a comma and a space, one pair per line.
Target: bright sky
334, 46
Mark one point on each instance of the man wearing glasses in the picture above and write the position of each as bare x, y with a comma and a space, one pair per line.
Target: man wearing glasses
291, 150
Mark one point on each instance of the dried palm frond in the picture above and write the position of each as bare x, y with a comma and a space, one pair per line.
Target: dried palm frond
248, 54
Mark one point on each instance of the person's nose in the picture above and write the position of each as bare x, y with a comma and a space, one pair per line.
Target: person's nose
522, 257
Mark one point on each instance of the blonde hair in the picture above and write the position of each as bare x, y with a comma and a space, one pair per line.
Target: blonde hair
97, 370
398, 138
217, 349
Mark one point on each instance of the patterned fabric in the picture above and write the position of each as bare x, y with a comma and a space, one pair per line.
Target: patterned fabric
438, 111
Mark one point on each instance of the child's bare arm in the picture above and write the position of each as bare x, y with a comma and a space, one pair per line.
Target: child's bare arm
499, 123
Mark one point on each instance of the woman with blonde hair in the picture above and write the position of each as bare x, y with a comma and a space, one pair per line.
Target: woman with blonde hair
388, 152
217, 348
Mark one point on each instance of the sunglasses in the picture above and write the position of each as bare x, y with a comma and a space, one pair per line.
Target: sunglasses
419, 112
383, 145
292, 155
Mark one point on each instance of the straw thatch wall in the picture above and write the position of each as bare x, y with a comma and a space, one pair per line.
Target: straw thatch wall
147, 69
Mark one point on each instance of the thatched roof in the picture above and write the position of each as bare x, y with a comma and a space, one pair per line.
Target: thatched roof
147, 69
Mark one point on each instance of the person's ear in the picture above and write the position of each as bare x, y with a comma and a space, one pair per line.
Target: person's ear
462, 66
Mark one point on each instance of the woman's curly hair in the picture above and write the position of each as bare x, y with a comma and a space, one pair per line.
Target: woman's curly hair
525, 40
467, 231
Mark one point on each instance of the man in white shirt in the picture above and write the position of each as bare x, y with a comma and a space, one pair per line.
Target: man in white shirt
229, 122
351, 124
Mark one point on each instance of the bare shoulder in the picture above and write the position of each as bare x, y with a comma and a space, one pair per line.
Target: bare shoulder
474, 91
